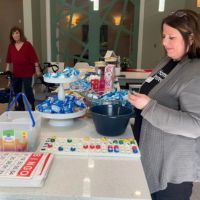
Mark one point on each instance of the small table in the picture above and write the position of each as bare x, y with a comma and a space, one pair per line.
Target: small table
82, 177
128, 78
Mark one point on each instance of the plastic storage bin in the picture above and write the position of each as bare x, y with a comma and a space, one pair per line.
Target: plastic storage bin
19, 130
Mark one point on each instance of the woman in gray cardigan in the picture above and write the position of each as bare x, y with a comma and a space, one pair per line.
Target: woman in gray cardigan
168, 111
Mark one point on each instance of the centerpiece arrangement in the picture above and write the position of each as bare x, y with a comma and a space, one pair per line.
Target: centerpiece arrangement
79, 90
62, 109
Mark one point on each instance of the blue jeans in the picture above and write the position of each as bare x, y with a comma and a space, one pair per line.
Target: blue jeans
26, 83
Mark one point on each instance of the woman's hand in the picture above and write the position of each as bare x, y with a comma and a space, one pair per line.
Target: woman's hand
138, 100
37, 71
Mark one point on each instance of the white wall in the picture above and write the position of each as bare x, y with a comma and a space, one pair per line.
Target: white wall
27, 15
8, 19
36, 20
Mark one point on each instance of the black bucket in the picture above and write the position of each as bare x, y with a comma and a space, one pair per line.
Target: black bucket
111, 120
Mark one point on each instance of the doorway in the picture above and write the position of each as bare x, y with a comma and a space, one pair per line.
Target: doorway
11, 15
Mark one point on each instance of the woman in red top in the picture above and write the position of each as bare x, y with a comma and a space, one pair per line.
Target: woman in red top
21, 55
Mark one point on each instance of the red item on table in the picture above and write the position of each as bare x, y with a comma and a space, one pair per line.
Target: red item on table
101, 85
95, 84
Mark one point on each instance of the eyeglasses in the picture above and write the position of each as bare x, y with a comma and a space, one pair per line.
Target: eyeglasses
179, 14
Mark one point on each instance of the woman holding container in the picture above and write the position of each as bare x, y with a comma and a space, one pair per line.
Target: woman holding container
167, 123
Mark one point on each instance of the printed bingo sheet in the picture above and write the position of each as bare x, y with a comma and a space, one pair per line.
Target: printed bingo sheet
20, 165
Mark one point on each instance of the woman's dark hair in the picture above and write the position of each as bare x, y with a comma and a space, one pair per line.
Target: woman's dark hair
14, 29
187, 22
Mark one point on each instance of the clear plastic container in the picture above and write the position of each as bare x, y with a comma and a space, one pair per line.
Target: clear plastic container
19, 130
100, 67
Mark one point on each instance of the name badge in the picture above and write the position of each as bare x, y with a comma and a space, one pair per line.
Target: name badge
149, 79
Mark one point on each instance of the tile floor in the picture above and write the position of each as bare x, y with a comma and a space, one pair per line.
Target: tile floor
196, 192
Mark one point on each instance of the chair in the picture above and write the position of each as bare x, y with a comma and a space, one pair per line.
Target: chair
47, 88
54, 66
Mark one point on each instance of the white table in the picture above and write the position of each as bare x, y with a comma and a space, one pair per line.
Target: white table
128, 78
79, 177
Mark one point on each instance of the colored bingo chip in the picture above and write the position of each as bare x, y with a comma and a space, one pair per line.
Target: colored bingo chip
103, 147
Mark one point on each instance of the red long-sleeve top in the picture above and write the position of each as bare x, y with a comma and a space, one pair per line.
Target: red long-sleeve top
23, 59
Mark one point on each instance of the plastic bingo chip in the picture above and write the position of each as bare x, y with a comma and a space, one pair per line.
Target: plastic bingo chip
103, 147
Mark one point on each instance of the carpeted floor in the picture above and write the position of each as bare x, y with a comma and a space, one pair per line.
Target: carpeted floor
3, 107
3, 85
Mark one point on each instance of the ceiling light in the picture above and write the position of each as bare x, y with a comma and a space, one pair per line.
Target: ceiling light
161, 6
95, 4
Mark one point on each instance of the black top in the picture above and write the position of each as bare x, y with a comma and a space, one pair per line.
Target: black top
148, 85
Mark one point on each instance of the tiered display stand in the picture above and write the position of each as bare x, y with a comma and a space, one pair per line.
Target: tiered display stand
65, 119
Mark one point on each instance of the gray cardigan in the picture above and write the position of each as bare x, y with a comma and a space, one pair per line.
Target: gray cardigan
170, 133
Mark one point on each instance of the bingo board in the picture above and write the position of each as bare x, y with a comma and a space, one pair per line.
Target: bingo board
102, 147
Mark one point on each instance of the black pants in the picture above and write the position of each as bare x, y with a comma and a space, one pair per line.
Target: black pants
26, 83
181, 191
